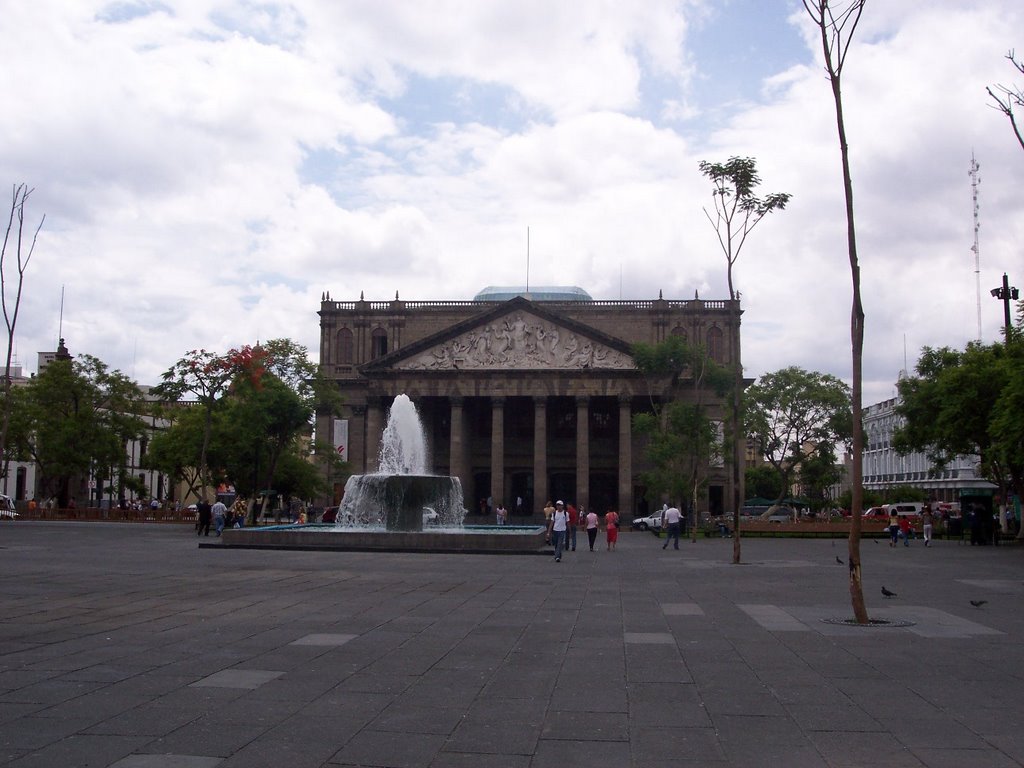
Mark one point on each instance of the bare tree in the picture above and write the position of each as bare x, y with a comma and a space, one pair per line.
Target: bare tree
16, 253
837, 27
737, 211
1006, 98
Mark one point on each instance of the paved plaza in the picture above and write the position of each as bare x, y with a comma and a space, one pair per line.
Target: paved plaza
128, 646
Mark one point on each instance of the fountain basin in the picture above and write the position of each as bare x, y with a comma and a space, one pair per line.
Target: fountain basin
469, 539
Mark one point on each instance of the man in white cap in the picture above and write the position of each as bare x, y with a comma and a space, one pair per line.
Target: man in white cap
559, 522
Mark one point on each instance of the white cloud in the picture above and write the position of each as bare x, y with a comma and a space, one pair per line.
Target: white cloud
208, 169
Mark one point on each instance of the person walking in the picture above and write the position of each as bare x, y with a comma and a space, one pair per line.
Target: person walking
670, 517
219, 511
926, 525
905, 530
570, 532
611, 528
501, 514
894, 528
203, 510
549, 511
559, 523
592, 523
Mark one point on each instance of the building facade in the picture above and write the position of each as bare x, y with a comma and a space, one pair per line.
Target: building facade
529, 397
884, 468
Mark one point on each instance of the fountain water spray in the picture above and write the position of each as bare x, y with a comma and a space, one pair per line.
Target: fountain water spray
401, 496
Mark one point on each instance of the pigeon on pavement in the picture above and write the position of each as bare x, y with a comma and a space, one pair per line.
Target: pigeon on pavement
978, 603
887, 593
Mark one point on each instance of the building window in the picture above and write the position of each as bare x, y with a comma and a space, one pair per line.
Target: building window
716, 349
680, 332
343, 347
378, 343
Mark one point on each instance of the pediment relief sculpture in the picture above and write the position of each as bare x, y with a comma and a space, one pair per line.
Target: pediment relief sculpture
519, 341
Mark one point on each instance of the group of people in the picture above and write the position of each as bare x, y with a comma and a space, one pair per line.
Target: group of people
900, 528
564, 520
219, 515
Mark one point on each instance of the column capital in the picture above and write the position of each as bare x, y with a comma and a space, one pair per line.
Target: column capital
456, 400
582, 400
358, 410
498, 401
625, 399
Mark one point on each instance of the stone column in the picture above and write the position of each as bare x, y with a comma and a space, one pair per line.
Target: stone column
498, 450
583, 452
625, 456
540, 453
374, 430
457, 459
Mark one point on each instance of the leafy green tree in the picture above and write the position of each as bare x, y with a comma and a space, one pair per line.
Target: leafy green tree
797, 416
77, 415
818, 476
737, 211
682, 438
964, 403
763, 481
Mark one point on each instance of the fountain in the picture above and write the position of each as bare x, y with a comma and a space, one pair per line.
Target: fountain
401, 494
401, 507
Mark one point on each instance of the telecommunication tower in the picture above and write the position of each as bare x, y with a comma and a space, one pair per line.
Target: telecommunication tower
975, 182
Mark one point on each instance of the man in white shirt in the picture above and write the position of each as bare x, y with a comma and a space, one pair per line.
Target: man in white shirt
670, 518
559, 523
219, 513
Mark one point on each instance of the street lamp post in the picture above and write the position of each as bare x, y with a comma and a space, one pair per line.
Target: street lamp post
1005, 293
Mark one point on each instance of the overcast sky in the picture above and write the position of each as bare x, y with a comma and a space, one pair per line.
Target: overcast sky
209, 168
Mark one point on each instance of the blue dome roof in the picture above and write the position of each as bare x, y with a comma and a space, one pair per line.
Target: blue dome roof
540, 293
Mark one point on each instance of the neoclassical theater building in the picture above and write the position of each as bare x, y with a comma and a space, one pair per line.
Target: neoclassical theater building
523, 393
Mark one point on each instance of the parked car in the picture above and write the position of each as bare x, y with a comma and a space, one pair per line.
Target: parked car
649, 523
875, 512
330, 515
7, 511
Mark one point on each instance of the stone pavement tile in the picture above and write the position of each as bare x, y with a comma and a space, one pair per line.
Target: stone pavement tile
664, 705
151, 719
277, 753
552, 753
642, 668
381, 748
776, 731
585, 726
937, 731
34, 732
519, 684
238, 678
500, 736
204, 737
748, 755
520, 711
856, 749
945, 757
477, 760
1010, 744
650, 638
13, 710
833, 717
51, 691
666, 746
363, 682
167, 761
403, 718
94, 708
740, 700
80, 751
591, 697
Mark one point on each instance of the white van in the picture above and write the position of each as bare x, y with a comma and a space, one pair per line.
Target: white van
904, 508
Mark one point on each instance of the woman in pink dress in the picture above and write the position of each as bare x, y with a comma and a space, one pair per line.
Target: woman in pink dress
611, 528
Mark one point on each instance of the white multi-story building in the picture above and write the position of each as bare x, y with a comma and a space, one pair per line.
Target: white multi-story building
884, 468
